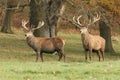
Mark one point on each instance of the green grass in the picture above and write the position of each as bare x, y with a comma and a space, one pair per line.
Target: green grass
60, 71
17, 61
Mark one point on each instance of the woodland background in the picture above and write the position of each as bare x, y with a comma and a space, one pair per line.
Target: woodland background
111, 6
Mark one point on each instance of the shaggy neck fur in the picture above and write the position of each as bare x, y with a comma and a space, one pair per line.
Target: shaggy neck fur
85, 40
85, 36
31, 40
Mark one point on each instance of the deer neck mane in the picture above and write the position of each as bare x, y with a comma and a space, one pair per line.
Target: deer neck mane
31, 40
85, 37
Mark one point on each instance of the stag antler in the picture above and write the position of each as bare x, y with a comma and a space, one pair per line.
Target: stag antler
90, 22
77, 22
40, 24
95, 19
24, 23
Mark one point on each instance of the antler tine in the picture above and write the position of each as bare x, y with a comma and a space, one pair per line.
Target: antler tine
24, 23
78, 20
89, 22
96, 18
40, 24
75, 22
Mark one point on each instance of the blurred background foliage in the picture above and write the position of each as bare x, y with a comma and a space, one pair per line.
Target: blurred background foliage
111, 7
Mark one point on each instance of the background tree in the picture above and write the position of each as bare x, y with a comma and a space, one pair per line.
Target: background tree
105, 32
48, 11
10, 7
105, 25
6, 26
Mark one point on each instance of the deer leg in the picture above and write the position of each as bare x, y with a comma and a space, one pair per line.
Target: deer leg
86, 55
90, 52
63, 55
60, 55
102, 53
41, 56
37, 55
98, 53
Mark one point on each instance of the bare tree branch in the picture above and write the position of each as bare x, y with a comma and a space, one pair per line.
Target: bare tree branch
15, 7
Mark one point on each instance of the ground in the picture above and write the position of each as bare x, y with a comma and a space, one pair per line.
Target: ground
17, 61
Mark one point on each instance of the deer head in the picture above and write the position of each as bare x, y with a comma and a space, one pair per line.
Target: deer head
84, 28
29, 31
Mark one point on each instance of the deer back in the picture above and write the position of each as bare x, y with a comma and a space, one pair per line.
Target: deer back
52, 43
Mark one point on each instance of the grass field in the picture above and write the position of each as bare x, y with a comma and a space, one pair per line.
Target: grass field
109, 70
17, 61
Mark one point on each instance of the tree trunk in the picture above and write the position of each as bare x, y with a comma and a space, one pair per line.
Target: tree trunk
6, 25
48, 11
37, 13
105, 32
10, 7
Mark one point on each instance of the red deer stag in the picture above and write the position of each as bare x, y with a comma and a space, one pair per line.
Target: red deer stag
43, 45
91, 43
